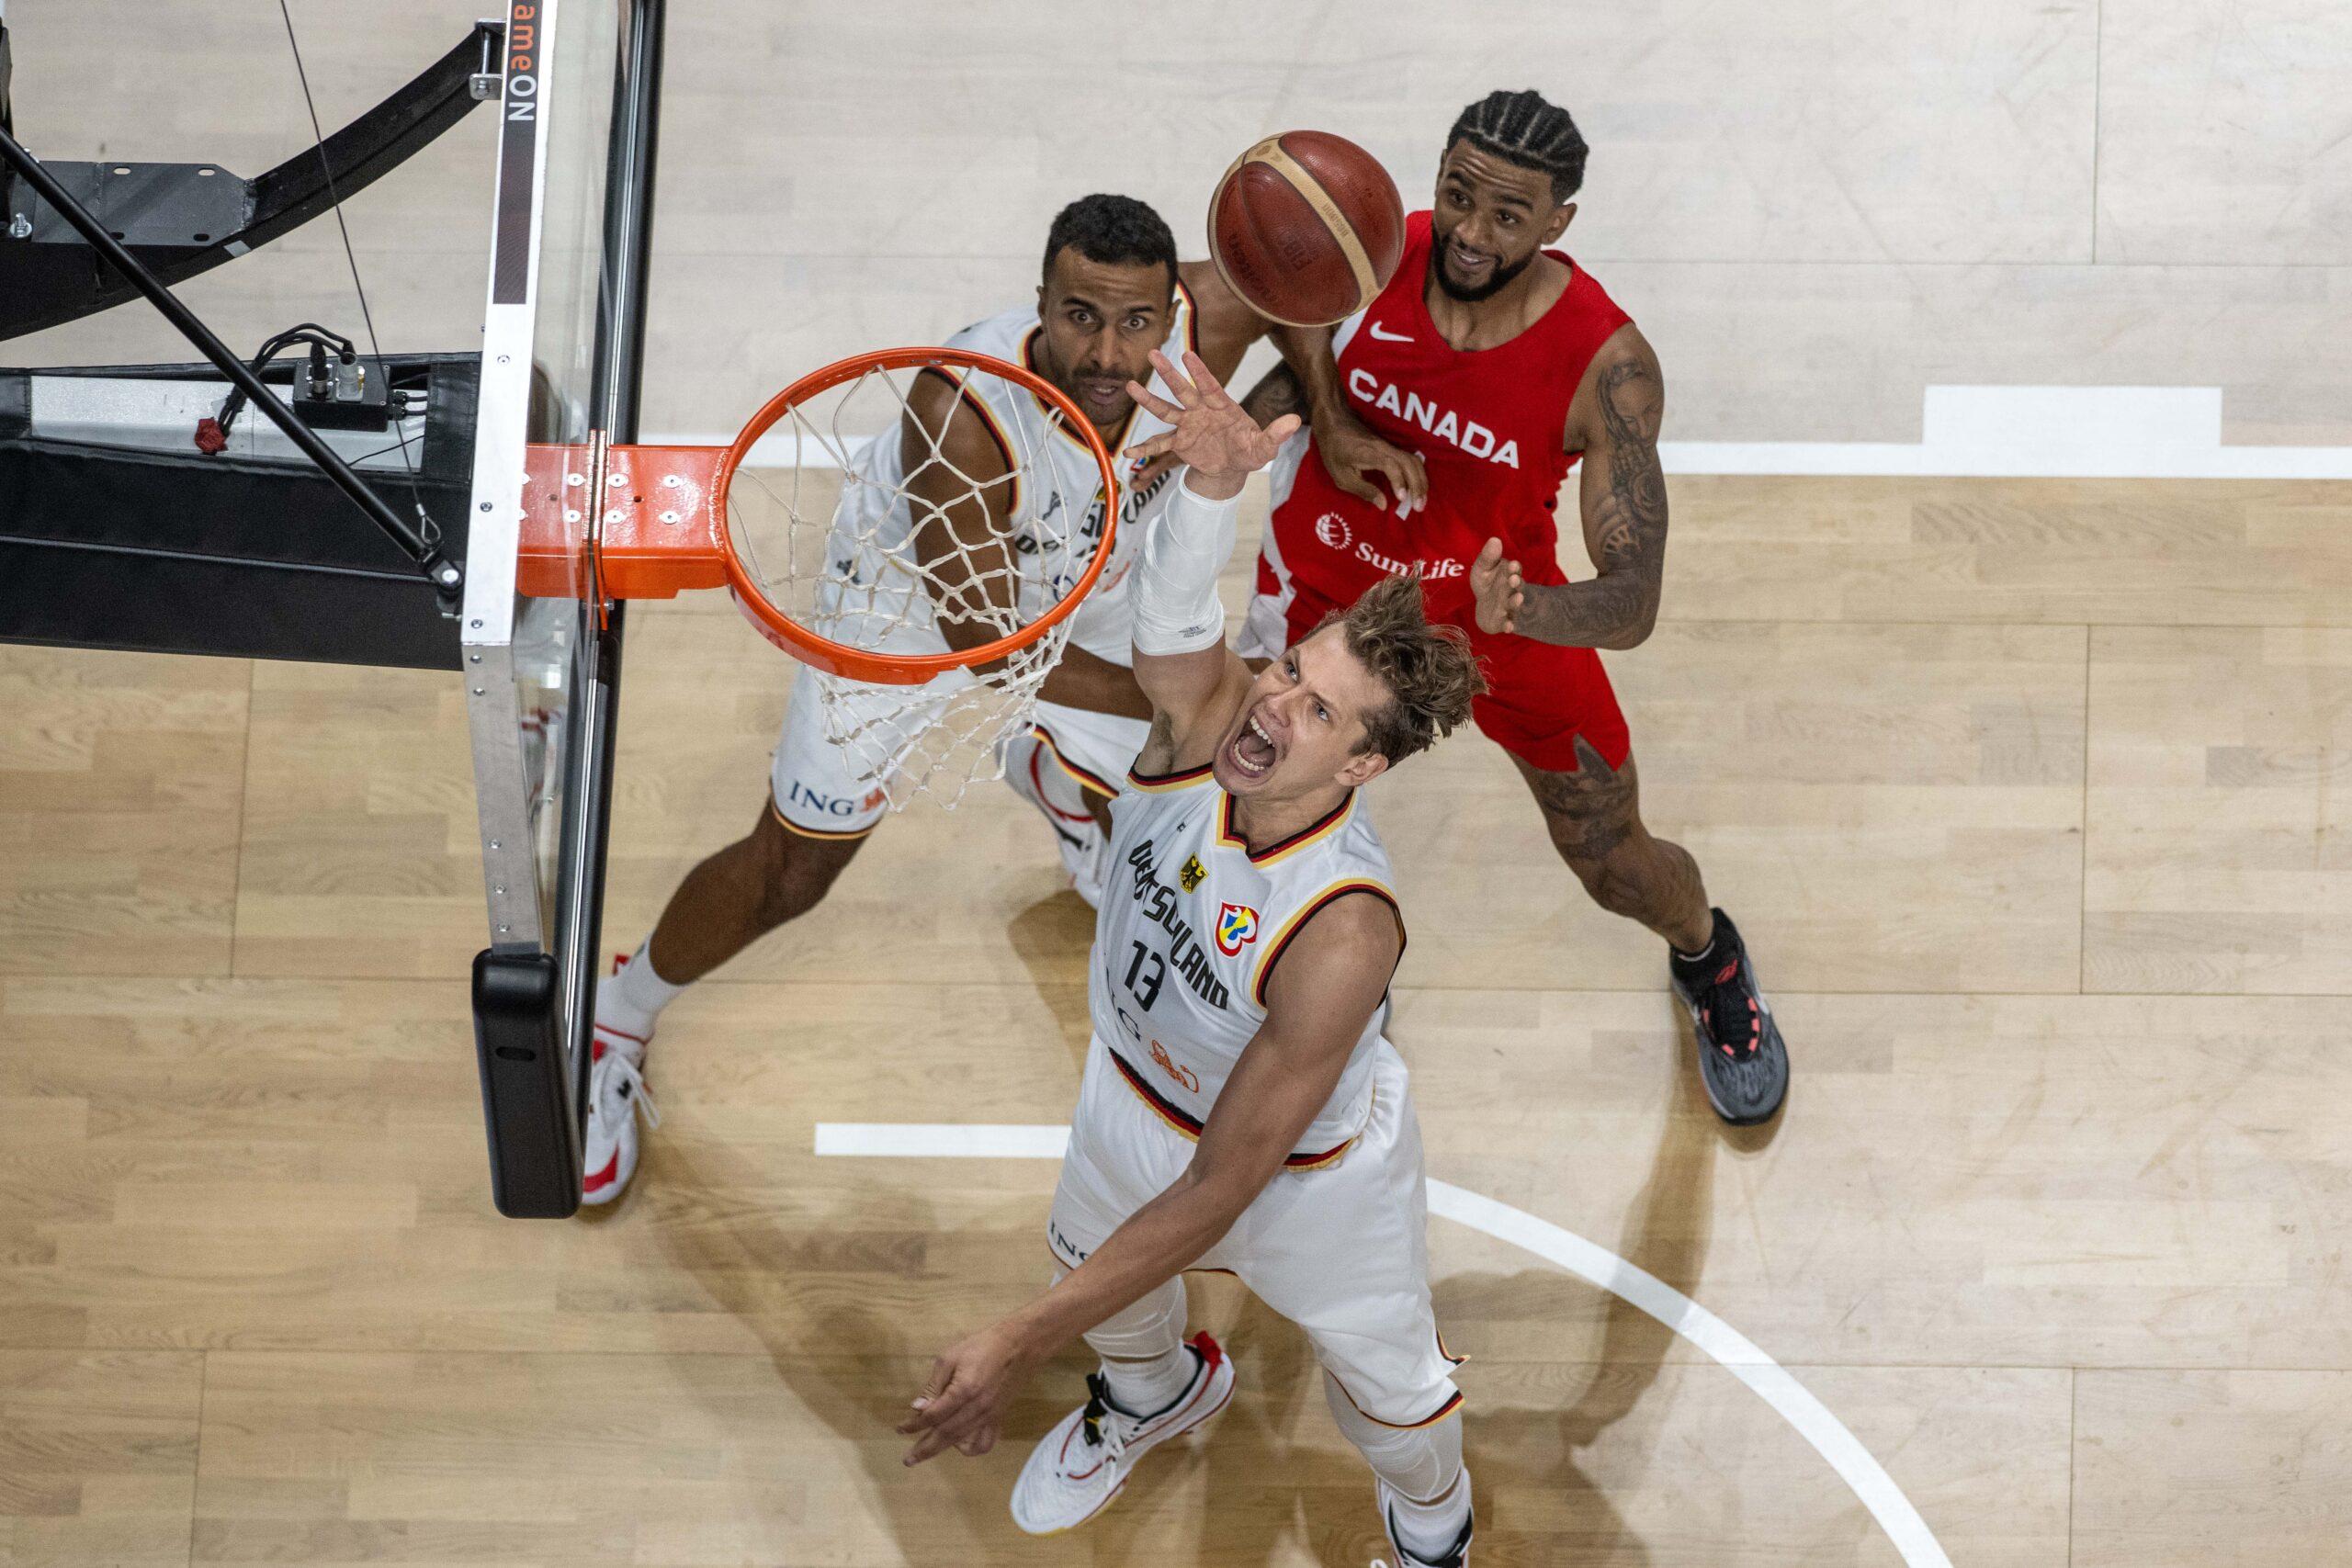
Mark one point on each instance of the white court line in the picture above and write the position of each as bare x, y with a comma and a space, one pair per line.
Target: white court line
1588, 1260
2024, 433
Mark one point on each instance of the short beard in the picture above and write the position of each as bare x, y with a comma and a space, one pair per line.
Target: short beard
1487, 291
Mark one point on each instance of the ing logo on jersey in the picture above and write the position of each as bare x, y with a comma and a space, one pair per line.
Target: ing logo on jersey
1237, 926
1193, 875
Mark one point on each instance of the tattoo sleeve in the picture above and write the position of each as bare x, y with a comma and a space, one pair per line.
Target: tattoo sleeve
1624, 501
1276, 394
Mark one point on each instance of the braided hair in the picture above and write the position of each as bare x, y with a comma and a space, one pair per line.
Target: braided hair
1524, 129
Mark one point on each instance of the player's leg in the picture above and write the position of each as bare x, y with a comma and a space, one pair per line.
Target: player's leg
1593, 813
1068, 765
1153, 1383
1553, 710
813, 823
770, 876
1424, 1488
1345, 1255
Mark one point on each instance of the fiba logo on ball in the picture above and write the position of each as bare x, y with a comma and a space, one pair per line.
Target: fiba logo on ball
1333, 530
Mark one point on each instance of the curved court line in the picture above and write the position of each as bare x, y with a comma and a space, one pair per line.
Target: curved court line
1731, 1350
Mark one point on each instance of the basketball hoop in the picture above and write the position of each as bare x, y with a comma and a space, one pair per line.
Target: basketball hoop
848, 561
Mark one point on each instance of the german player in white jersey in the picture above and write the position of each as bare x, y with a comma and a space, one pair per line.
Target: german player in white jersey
1113, 291
1241, 1107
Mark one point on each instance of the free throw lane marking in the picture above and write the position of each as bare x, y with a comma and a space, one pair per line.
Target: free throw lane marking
1563, 1248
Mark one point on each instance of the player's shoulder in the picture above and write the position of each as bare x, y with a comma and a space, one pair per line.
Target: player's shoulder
1626, 347
949, 411
999, 335
1344, 855
1346, 924
1622, 365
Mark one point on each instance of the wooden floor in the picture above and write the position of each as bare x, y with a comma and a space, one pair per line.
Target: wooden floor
2035, 801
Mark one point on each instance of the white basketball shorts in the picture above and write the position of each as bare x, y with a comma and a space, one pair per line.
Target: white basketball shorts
819, 793
1341, 1249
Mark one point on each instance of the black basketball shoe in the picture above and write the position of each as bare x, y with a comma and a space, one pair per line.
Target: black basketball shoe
1741, 1059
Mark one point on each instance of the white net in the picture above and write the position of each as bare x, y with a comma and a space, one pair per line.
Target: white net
913, 510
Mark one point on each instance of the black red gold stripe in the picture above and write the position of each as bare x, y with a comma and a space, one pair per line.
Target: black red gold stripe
1095, 782
1182, 778
1183, 1122
1191, 314
1453, 1403
997, 436
1299, 917
1228, 833
792, 827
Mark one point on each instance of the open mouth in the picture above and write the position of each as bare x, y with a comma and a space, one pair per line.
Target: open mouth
1468, 263
1253, 752
1101, 393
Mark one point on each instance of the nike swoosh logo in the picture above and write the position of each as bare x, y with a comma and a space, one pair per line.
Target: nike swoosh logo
1374, 328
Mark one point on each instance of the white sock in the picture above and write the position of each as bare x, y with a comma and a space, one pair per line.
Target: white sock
632, 999
1146, 1388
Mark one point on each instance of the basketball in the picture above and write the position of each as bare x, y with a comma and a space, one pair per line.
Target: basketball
1306, 227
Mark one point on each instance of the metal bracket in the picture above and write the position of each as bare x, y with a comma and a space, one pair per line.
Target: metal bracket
483, 85
652, 533
178, 230
182, 206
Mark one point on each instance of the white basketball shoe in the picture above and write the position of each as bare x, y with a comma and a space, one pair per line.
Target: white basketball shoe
1081, 1465
616, 1097
1458, 1556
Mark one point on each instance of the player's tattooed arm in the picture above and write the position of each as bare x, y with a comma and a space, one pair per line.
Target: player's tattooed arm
1623, 497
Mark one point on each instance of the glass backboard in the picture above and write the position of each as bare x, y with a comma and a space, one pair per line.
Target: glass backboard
557, 378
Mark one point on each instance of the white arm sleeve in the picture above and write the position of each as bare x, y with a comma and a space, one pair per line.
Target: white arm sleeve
1177, 609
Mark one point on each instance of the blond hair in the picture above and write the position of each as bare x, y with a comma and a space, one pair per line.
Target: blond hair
1427, 668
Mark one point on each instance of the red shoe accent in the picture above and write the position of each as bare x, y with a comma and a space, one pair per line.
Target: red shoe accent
602, 1178
620, 962
1730, 969
1212, 1353
596, 1040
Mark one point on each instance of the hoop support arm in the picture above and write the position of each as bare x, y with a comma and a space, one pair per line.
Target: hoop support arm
654, 532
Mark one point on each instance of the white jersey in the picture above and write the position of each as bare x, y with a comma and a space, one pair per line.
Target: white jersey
1192, 924
1060, 480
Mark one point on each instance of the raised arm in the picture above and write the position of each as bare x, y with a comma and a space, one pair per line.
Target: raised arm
1621, 494
1181, 660
1319, 1000
961, 508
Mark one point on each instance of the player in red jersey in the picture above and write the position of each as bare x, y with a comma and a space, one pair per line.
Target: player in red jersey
1444, 420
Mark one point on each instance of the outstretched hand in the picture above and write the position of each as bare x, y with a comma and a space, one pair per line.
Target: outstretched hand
962, 1404
1498, 585
1211, 434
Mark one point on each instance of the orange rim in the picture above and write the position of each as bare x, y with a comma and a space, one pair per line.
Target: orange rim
901, 669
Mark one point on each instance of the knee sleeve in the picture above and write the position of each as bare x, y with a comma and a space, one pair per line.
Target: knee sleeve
1152, 1327
1422, 1462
